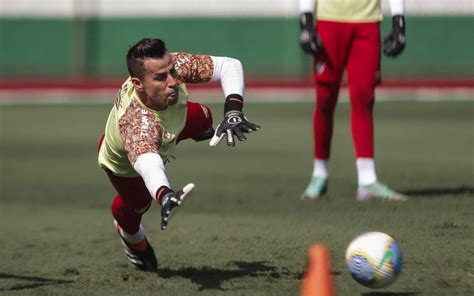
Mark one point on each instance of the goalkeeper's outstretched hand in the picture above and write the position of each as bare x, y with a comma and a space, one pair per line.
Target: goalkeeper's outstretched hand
394, 43
234, 124
170, 201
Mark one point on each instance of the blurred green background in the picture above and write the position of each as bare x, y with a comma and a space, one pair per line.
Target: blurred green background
440, 43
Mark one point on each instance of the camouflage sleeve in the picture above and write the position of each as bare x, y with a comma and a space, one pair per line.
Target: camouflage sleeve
140, 132
193, 68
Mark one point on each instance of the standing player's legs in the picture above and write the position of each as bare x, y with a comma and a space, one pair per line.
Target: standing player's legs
363, 71
198, 123
328, 69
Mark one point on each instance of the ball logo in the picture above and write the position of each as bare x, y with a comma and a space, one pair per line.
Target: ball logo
388, 257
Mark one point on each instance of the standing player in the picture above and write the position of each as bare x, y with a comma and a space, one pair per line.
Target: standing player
150, 116
347, 35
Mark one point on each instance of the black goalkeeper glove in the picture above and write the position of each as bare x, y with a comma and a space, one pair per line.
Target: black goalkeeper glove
394, 43
170, 200
309, 40
234, 124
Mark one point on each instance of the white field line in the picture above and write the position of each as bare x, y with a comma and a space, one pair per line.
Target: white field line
253, 95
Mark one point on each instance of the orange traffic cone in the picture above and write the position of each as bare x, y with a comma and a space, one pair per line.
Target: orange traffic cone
317, 280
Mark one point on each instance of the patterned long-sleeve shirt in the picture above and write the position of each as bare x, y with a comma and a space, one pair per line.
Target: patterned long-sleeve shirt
132, 129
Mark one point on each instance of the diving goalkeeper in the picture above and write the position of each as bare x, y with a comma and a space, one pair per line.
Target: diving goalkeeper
150, 116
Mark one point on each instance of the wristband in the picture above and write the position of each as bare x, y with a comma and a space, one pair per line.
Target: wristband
162, 191
233, 102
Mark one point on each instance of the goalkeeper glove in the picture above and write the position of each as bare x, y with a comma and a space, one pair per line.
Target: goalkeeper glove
394, 43
309, 41
234, 123
170, 200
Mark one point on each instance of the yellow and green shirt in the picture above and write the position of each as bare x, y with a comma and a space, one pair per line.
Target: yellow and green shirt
132, 129
349, 10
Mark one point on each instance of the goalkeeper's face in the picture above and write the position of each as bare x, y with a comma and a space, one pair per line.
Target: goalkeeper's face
158, 88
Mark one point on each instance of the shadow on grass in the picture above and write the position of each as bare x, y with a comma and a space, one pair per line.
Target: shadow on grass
32, 282
429, 192
208, 278
391, 294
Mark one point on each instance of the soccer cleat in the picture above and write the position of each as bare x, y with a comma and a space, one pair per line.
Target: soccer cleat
144, 260
316, 189
378, 191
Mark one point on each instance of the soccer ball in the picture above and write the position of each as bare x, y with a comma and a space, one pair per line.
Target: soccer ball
374, 259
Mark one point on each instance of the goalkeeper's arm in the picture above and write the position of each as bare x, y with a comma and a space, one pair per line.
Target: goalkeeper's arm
231, 75
152, 169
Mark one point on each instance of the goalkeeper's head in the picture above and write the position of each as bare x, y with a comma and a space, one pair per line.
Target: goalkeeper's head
152, 72
147, 48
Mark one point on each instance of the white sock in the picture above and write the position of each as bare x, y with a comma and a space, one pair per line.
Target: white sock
320, 168
366, 171
131, 238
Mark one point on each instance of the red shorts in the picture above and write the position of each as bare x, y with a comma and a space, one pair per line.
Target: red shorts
352, 45
132, 190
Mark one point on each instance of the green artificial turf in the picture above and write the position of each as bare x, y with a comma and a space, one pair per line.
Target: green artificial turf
245, 230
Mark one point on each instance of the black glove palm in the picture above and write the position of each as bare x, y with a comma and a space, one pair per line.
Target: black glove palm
309, 41
394, 43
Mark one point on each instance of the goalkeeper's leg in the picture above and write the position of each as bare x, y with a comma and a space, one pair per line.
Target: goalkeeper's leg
198, 123
128, 207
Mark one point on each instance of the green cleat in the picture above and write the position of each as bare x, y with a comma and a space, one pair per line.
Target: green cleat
378, 191
316, 189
